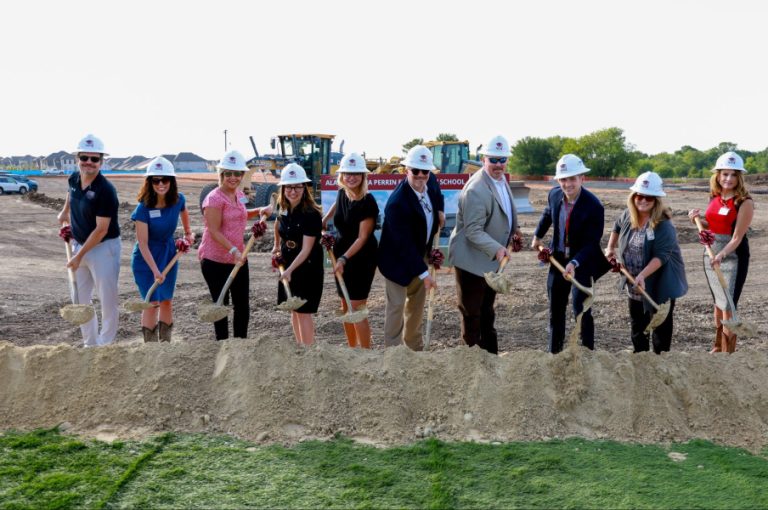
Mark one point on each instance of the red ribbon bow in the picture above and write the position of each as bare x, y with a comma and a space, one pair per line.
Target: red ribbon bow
327, 240
436, 258
544, 255
517, 243
182, 245
258, 229
277, 261
65, 233
615, 265
706, 237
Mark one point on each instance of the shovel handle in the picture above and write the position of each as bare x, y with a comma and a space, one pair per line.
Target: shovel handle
71, 275
241, 261
631, 280
285, 284
340, 279
711, 254
568, 277
164, 274
505, 259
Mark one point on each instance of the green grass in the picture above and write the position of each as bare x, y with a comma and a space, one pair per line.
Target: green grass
45, 469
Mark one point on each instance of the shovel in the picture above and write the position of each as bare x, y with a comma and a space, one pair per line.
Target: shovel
138, 305
435, 260
735, 324
662, 310
292, 302
75, 313
217, 311
497, 280
586, 290
352, 317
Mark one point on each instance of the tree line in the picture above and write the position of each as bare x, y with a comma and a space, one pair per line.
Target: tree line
608, 154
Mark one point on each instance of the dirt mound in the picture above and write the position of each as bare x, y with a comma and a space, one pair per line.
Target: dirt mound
264, 389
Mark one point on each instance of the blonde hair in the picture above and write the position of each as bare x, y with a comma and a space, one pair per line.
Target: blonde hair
659, 212
741, 193
349, 191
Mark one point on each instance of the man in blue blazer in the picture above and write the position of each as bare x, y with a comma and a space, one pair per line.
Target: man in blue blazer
412, 217
577, 218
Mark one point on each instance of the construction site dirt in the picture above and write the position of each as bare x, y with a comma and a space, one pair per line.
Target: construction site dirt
266, 388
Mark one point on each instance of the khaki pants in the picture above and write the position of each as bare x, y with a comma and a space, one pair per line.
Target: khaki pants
404, 314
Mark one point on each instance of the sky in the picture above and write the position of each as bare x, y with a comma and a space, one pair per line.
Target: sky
169, 76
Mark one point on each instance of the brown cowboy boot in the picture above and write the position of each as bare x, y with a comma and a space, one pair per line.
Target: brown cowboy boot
166, 330
730, 342
150, 335
718, 340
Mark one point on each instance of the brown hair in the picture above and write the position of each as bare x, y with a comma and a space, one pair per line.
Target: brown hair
741, 193
307, 200
659, 212
148, 196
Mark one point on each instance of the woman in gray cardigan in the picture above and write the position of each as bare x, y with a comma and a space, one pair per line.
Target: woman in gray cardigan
648, 249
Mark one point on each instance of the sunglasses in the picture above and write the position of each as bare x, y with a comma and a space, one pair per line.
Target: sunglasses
294, 188
497, 160
231, 174
161, 180
94, 159
416, 171
644, 198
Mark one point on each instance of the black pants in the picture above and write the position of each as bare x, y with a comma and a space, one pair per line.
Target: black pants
639, 318
476, 300
558, 289
216, 274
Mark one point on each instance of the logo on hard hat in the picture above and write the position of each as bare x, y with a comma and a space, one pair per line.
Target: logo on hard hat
499, 146
731, 159
423, 157
645, 184
232, 159
352, 162
89, 143
563, 166
292, 173
159, 166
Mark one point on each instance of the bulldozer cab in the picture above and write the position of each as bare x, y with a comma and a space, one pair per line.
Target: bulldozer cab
451, 157
311, 151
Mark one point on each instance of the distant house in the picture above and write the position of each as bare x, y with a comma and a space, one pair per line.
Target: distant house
61, 161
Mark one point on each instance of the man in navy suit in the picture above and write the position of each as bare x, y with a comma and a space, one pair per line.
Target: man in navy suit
412, 217
577, 217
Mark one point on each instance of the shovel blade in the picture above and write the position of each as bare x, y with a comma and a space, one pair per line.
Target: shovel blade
658, 318
77, 314
498, 282
137, 305
212, 313
358, 315
741, 328
291, 304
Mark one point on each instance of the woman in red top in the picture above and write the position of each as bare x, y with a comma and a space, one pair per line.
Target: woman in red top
728, 216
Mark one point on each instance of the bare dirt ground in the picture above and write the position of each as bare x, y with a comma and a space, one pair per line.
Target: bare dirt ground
266, 388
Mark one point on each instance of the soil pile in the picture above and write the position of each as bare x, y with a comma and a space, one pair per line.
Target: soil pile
268, 390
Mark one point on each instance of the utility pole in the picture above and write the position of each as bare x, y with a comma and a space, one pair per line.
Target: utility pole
225, 140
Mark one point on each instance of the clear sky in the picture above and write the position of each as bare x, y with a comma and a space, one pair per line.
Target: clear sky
169, 76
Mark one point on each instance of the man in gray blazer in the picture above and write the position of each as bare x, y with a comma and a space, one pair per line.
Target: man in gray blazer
485, 225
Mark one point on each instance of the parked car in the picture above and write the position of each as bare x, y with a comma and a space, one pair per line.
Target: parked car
11, 185
53, 171
23, 179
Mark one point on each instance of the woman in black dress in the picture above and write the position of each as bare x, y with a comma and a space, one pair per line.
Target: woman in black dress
297, 236
354, 216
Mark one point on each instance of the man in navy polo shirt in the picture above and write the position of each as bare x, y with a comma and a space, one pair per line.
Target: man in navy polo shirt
91, 210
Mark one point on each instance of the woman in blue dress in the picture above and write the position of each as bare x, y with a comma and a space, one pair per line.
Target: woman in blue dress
156, 218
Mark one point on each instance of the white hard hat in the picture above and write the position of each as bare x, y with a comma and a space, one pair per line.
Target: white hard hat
498, 147
232, 160
91, 143
729, 161
160, 167
419, 157
352, 163
568, 166
292, 174
649, 184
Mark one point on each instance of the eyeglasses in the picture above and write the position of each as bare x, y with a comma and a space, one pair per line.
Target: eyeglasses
294, 188
94, 159
416, 171
644, 198
231, 174
497, 160
161, 180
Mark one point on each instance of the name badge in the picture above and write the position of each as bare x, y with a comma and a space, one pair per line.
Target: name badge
155, 213
243, 200
723, 211
649, 235
90, 194
567, 252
